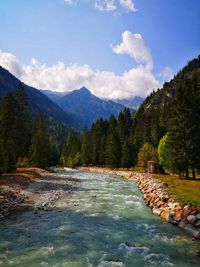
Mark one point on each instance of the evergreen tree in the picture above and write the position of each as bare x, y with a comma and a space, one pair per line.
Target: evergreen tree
71, 149
126, 160
182, 123
86, 148
40, 145
8, 133
23, 124
113, 146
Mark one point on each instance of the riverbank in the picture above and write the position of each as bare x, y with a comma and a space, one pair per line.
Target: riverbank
162, 204
33, 188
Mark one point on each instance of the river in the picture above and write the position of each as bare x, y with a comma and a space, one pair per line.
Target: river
104, 223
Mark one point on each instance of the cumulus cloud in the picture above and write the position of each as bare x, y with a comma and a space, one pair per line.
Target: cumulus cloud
105, 5
138, 80
10, 62
134, 46
128, 5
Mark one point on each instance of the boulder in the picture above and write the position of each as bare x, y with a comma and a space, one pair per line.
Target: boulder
195, 232
165, 214
198, 216
191, 219
157, 211
182, 224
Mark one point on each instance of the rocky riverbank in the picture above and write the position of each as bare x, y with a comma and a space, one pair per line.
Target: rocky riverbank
162, 204
34, 188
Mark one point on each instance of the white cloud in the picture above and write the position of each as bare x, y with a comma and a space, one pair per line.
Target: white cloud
134, 46
166, 74
138, 80
10, 62
69, 2
105, 5
128, 5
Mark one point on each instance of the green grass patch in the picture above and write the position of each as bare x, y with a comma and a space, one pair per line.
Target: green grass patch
186, 191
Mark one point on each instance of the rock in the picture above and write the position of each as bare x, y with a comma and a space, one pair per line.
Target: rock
157, 211
165, 214
182, 224
197, 223
198, 216
191, 219
178, 215
192, 230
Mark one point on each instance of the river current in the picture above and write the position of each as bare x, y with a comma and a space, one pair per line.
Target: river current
104, 223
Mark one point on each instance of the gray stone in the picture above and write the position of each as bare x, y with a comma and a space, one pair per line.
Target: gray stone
191, 218
198, 216
182, 224
192, 230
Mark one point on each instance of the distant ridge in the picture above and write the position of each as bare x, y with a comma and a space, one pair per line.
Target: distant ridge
84, 107
39, 103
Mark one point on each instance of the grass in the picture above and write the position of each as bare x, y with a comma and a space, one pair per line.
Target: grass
185, 191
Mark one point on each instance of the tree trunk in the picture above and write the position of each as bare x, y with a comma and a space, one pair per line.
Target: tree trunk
193, 173
187, 173
180, 174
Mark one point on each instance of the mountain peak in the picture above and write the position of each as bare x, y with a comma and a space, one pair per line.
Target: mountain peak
84, 90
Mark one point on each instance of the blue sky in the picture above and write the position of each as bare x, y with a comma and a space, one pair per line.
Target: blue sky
86, 37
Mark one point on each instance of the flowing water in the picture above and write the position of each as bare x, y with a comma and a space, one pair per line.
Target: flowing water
104, 223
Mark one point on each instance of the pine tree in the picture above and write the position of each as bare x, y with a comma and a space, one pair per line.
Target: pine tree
126, 161
23, 123
40, 145
113, 145
183, 127
8, 133
86, 148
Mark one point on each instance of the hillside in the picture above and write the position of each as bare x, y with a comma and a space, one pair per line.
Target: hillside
152, 118
39, 103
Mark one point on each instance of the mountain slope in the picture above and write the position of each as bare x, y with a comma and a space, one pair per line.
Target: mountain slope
39, 103
87, 108
153, 117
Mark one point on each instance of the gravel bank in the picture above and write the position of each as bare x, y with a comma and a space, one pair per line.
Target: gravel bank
39, 193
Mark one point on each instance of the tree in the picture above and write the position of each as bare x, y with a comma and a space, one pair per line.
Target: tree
147, 153
23, 123
113, 148
185, 125
126, 160
165, 152
8, 133
86, 148
71, 148
40, 145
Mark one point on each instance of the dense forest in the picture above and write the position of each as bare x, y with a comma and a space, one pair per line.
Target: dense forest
165, 129
24, 140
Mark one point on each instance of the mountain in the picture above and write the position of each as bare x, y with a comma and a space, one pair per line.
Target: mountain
39, 103
54, 96
133, 102
153, 117
85, 108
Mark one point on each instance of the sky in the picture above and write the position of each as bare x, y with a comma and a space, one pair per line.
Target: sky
116, 48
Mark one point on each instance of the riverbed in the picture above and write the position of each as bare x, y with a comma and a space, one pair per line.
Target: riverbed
105, 222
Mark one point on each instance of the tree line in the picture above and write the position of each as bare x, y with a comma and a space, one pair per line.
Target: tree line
23, 140
165, 129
